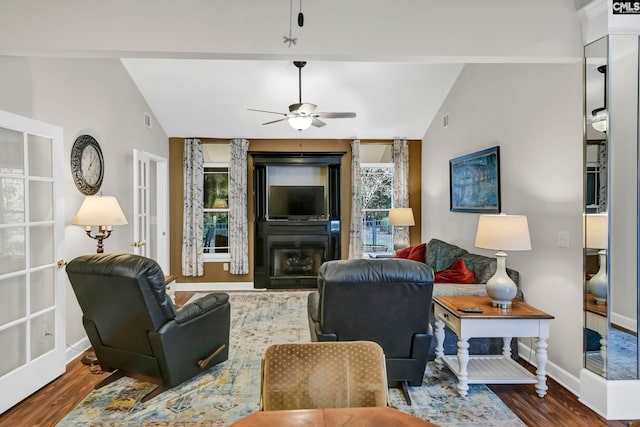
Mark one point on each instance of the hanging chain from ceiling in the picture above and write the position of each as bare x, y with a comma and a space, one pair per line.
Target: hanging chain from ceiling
292, 40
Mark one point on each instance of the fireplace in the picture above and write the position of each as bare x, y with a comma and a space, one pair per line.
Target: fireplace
296, 262
293, 260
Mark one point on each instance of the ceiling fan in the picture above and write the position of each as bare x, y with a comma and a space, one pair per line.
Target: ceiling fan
302, 115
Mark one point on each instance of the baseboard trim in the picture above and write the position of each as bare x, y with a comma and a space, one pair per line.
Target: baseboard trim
74, 350
216, 286
560, 375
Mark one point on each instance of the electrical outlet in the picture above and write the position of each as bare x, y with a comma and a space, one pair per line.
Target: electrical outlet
225, 266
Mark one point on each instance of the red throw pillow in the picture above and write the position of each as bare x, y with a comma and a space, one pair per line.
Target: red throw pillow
456, 273
415, 253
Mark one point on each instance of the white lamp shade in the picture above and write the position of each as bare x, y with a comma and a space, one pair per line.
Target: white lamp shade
401, 217
597, 231
300, 122
100, 210
503, 232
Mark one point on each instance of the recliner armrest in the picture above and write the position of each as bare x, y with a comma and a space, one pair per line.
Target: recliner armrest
200, 306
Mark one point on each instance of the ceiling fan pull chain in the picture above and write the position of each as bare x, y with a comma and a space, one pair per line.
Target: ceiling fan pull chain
291, 40
300, 16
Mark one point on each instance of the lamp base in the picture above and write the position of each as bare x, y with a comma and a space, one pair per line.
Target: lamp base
500, 288
599, 282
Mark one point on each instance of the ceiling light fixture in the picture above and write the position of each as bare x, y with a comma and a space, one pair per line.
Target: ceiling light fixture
600, 116
300, 122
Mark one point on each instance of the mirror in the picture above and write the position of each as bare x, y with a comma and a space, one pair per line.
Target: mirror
611, 207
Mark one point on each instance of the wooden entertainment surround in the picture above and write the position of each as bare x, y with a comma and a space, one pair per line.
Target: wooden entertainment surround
288, 251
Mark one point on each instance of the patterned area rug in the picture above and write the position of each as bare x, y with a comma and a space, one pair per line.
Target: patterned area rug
622, 352
231, 390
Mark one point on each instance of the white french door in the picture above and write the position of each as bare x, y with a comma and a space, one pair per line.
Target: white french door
32, 323
150, 209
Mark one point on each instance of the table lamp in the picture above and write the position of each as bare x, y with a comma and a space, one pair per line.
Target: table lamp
401, 218
502, 233
103, 212
597, 237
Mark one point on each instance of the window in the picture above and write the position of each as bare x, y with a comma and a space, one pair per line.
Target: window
593, 189
377, 197
216, 210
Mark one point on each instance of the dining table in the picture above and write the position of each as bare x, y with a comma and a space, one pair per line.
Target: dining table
378, 416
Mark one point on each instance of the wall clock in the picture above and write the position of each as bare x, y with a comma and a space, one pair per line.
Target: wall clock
87, 164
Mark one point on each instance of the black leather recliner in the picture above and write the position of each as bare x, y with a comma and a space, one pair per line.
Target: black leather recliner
136, 330
387, 301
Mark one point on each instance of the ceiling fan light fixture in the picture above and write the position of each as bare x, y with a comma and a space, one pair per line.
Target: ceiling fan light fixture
599, 119
300, 122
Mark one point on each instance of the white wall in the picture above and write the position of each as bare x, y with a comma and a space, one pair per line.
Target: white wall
534, 113
85, 96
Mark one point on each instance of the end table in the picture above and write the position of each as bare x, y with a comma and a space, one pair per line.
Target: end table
520, 320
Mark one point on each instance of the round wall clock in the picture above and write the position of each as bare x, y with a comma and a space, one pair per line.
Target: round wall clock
87, 164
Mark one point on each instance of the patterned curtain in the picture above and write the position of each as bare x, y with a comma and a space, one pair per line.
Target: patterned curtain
192, 226
238, 227
602, 163
355, 229
401, 182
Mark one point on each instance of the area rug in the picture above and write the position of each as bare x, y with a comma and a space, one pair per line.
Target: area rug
231, 390
622, 353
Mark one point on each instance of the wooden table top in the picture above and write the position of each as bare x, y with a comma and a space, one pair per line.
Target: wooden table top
333, 417
591, 305
170, 278
518, 309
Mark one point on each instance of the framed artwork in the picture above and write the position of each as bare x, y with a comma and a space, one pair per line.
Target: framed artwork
474, 182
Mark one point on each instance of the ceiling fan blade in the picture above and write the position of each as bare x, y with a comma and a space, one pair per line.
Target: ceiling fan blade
265, 111
335, 115
317, 123
275, 121
302, 107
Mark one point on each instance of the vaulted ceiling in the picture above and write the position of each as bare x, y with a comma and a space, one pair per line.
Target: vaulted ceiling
211, 98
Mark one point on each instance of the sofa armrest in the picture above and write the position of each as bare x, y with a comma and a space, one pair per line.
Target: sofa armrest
457, 289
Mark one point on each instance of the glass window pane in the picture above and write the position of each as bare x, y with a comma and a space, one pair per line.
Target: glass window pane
13, 338
216, 232
39, 155
42, 289
377, 234
216, 188
41, 245
13, 302
12, 249
42, 334
11, 200
40, 200
377, 188
12, 149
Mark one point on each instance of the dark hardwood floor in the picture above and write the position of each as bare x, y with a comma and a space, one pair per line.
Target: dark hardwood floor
49, 405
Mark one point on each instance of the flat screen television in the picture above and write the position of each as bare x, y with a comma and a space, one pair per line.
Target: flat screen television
296, 201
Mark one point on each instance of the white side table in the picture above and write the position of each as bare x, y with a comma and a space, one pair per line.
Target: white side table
596, 320
520, 320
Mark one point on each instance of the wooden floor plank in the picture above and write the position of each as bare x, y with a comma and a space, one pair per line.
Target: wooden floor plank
49, 405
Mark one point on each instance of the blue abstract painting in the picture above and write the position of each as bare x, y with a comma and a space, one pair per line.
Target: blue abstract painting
474, 182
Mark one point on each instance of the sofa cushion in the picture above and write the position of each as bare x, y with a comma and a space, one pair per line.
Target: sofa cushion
483, 266
449, 252
446, 256
456, 273
414, 253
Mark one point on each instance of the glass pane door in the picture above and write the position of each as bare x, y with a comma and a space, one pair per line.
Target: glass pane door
31, 300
